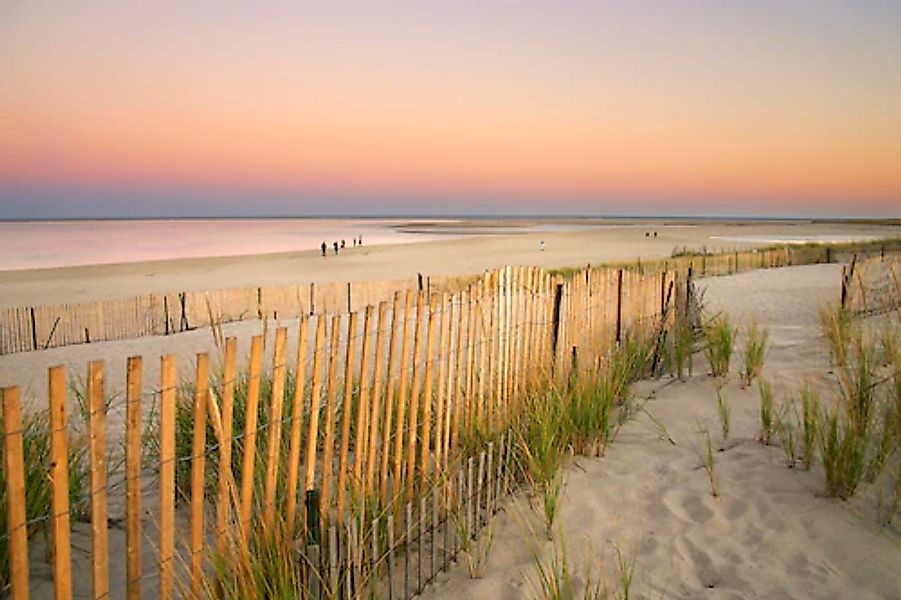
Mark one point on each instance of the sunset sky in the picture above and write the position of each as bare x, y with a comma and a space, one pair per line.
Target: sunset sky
270, 108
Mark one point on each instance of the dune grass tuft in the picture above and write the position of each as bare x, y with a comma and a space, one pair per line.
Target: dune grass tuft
475, 545
787, 431
720, 338
754, 353
541, 439
683, 339
860, 435
555, 578
837, 327
724, 412
810, 417
767, 414
708, 460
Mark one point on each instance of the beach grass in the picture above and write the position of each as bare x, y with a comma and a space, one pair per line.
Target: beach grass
810, 417
767, 414
555, 578
754, 352
541, 439
38, 494
724, 411
720, 337
708, 460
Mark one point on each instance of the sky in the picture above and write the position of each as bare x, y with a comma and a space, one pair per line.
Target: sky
121, 109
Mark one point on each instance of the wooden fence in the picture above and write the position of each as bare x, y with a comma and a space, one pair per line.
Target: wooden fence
379, 448
872, 285
363, 445
28, 328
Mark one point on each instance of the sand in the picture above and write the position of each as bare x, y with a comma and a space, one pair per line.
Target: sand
769, 535
454, 256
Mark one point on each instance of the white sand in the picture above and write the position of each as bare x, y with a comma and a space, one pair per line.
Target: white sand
457, 256
769, 535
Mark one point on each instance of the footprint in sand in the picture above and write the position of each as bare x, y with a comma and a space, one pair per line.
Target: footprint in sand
736, 508
696, 510
798, 566
703, 566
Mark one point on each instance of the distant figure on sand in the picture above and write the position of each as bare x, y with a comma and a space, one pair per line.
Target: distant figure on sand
342, 244
355, 242
655, 234
361, 240
324, 248
336, 247
541, 246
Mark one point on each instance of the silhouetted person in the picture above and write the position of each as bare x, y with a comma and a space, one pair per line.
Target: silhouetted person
342, 244
355, 242
361, 240
324, 248
655, 234
646, 234
336, 247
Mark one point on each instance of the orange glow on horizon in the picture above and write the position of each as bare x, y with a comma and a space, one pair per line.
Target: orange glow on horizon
536, 122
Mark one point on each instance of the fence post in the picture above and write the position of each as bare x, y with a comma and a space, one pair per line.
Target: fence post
348, 297
133, 477
313, 542
662, 293
165, 312
844, 287
167, 478
183, 300
619, 305
34, 330
59, 479
198, 466
555, 335
97, 451
688, 293
573, 367
14, 464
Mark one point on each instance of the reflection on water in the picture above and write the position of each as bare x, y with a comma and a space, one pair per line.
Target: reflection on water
45, 244
40, 244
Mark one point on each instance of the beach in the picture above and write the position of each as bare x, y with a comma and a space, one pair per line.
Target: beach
770, 532
461, 249
461, 255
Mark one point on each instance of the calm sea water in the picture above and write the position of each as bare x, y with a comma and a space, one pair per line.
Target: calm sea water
41, 244
45, 244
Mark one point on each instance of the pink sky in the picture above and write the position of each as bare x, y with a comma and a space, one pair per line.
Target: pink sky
665, 107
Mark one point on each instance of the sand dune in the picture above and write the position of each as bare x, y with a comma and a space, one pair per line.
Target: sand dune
768, 535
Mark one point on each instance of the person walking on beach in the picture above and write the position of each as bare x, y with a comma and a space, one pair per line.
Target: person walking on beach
342, 244
361, 240
324, 248
336, 248
541, 246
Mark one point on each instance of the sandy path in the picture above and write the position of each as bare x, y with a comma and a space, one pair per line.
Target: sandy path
768, 535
